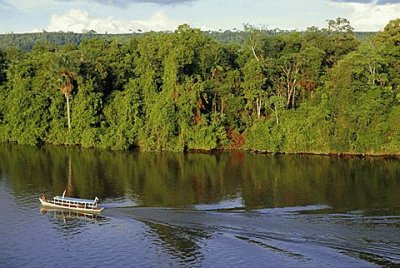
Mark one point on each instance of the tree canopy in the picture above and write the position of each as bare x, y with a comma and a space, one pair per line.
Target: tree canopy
320, 91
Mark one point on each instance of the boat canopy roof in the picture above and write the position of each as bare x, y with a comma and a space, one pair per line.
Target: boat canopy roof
77, 200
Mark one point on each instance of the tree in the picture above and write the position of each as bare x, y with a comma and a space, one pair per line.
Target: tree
290, 69
341, 40
66, 68
389, 40
340, 25
254, 40
253, 85
123, 118
310, 69
285, 67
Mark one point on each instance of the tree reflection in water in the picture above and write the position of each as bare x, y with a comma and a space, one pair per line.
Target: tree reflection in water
186, 180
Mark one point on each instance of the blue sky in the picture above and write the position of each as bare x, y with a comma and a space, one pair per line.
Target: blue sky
121, 16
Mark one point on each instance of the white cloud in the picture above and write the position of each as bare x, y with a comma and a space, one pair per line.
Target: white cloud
78, 21
370, 16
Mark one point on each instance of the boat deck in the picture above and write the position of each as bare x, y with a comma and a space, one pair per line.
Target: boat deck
76, 200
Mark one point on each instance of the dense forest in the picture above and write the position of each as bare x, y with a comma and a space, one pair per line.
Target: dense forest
26, 41
319, 91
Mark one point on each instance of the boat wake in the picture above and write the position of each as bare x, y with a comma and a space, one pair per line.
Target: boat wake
285, 235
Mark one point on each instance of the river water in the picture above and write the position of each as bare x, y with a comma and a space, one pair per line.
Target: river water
198, 210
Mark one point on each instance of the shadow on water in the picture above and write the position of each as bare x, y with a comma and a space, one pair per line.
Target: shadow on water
181, 242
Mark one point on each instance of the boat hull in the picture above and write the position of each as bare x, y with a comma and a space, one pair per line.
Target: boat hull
48, 204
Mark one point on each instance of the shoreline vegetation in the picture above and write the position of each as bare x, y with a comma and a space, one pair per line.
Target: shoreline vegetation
326, 91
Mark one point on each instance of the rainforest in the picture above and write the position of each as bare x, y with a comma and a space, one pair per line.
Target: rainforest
323, 91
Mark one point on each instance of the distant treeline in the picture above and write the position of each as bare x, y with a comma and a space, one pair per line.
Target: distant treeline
321, 91
27, 41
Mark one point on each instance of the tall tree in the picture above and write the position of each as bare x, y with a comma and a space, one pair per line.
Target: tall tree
254, 41
66, 68
253, 86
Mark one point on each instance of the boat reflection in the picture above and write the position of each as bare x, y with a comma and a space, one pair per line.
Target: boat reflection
67, 216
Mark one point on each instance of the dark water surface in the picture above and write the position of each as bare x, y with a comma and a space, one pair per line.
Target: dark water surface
213, 210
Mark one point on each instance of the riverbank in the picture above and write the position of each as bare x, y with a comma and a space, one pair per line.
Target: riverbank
336, 154
235, 150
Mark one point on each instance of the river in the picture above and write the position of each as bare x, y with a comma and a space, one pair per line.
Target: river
198, 210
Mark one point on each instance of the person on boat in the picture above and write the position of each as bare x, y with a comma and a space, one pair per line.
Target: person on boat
44, 197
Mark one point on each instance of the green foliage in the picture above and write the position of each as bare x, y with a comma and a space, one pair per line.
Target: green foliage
264, 136
319, 91
161, 129
204, 137
122, 118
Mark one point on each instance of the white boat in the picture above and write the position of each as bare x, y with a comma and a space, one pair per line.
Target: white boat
77, 204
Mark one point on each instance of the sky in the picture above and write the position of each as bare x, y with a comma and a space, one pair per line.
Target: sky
124, 16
